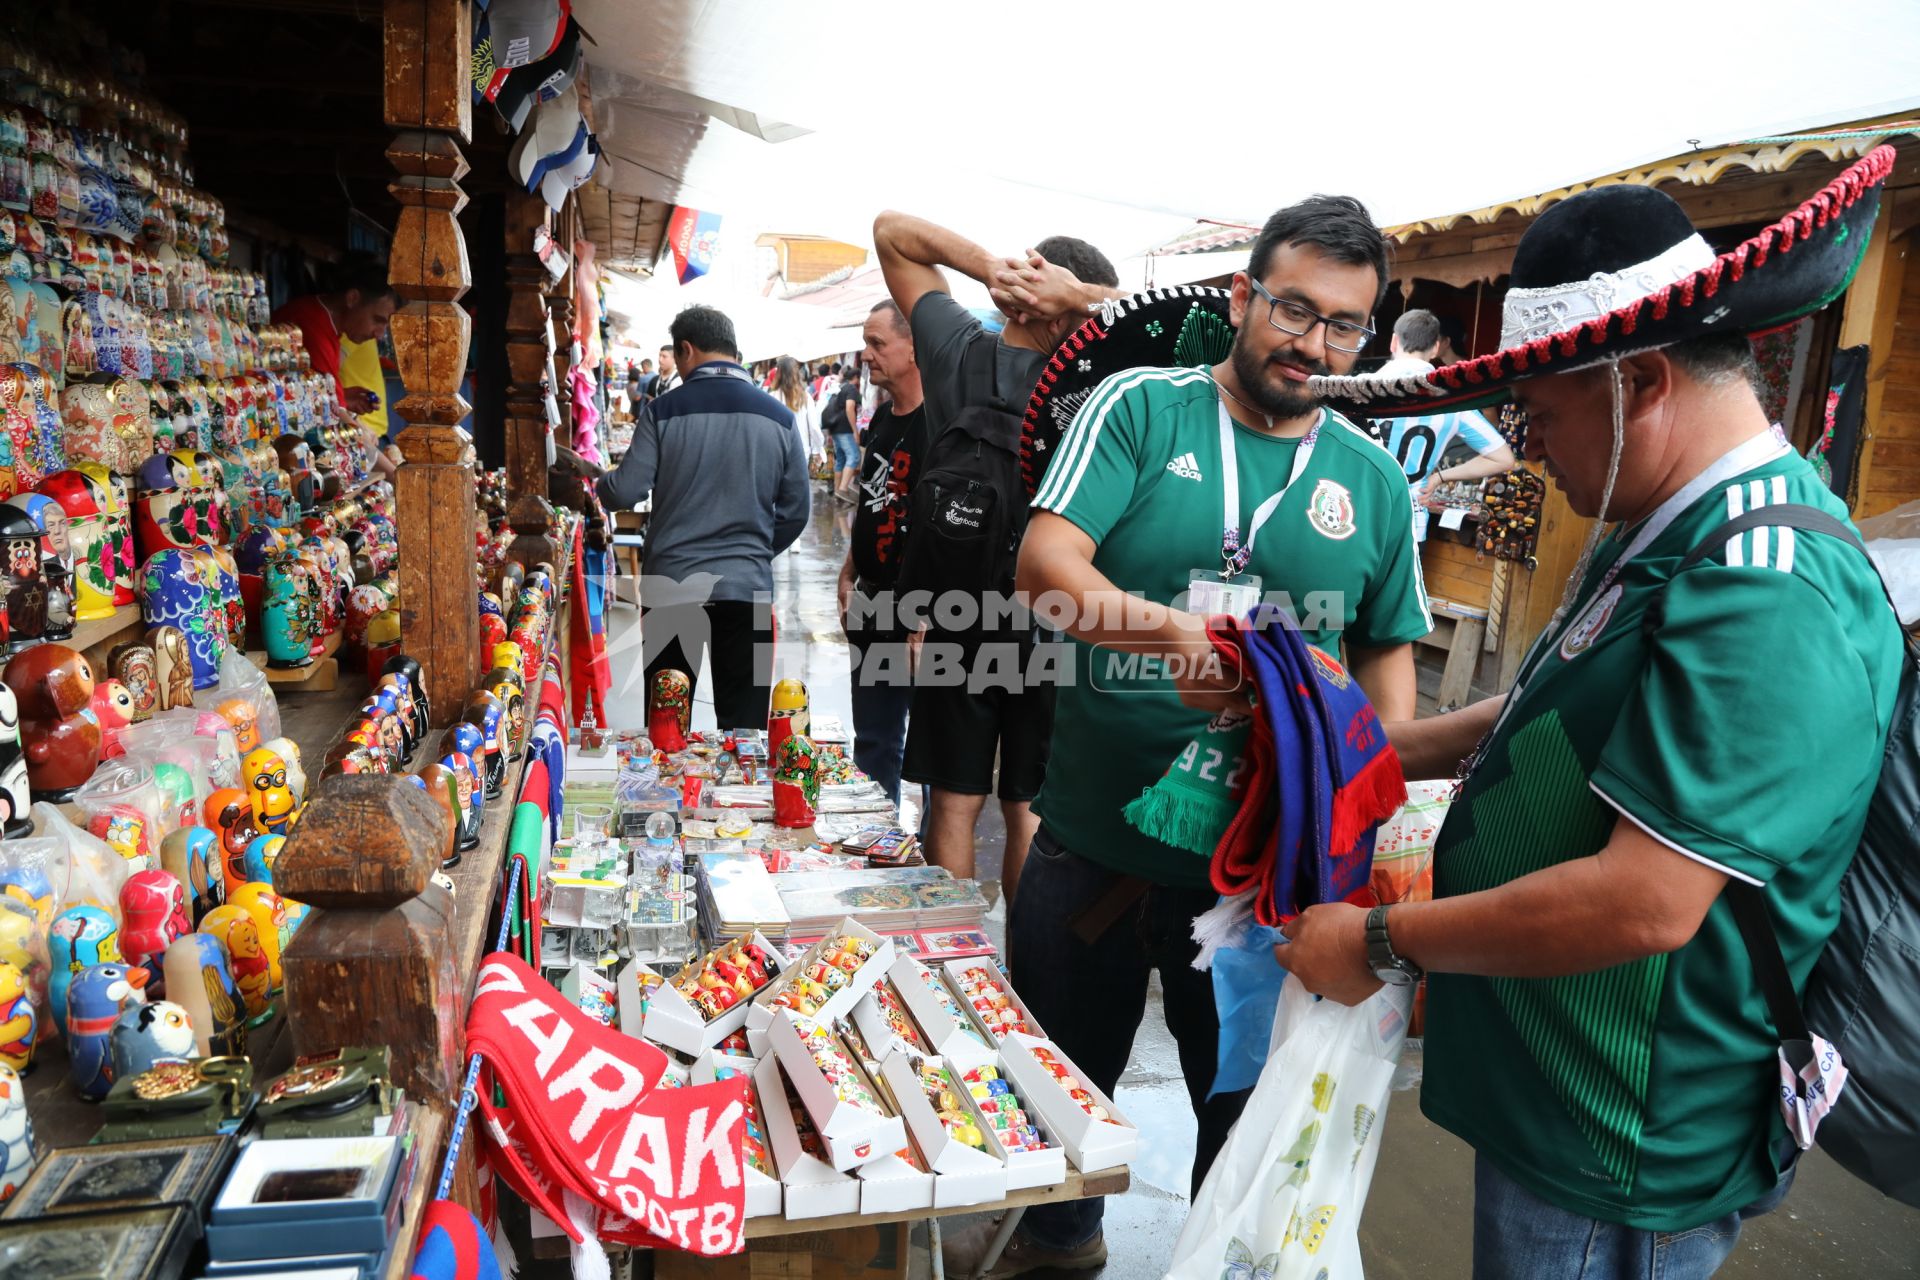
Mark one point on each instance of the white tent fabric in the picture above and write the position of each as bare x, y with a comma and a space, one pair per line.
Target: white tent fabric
1122, 122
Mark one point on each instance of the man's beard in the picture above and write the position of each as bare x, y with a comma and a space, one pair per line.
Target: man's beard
1289, 400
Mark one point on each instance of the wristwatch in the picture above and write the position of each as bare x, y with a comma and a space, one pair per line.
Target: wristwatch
1395, 971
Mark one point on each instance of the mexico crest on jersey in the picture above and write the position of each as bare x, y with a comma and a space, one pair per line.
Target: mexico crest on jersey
1330, 510
1591, 622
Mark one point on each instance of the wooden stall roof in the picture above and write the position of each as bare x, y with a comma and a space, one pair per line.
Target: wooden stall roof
626, 230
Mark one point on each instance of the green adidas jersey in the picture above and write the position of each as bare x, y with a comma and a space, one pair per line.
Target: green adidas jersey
1746, 735
1139, 470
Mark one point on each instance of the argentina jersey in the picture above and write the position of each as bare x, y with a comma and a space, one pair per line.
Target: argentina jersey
1418, 443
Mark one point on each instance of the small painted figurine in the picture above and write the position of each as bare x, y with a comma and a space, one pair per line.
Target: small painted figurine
190, 856
132, 666
173, 666
112, 707
245, 721
470, 797
16, 1134
289, 752
19, 1024
787, 714
230, 813
54, 686
246, 956
199, 981
16, 798
470, 740
94, 1001
796, 782
269, 911
79, 938
143, 1034
486, 711
438, 782
153, 912
669, 709
266, 777
286, 617
262, 852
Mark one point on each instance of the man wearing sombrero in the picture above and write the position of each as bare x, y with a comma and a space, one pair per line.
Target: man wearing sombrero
1595, 1027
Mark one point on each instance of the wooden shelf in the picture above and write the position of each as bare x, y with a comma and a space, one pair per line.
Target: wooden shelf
318, 676
95, 638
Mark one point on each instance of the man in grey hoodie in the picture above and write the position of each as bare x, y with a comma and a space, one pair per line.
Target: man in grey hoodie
728, 474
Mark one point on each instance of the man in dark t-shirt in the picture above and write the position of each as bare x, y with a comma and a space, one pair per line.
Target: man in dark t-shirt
961, 727
839, 418
882, 678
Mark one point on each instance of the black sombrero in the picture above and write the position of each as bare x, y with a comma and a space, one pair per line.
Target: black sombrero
1184, 326
1619, 269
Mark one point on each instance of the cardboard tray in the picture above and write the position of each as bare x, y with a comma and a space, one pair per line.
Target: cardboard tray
1091, 1144
763, 1194
951, 971
814, 1188
853, 1134
955, 1040
672, 1020
961, 1175
760, 1017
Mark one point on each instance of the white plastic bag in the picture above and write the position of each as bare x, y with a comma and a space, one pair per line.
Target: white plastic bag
1283, 1199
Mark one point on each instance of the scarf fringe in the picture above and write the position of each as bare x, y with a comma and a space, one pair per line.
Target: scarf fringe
1222, 927
503, 1253
587, 1254
1369, 798
1181, 819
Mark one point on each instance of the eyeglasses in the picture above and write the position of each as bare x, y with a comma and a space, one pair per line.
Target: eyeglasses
1290, 317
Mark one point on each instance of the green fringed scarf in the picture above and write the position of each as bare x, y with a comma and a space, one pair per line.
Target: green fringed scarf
1194, 800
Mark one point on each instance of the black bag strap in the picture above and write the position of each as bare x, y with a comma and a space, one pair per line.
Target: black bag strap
980, 372
1745, 900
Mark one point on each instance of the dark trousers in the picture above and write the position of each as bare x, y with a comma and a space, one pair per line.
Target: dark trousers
1089, 999
736, 636
882, 693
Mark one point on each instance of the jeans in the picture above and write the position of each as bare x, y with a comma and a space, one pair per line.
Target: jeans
1089, 998
882, 692
846, 453
1518, 1236
736, 637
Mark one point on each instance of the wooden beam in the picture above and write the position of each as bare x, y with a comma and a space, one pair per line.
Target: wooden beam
1872, 316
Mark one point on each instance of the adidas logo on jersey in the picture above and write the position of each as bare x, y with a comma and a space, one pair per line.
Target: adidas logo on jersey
1186, 466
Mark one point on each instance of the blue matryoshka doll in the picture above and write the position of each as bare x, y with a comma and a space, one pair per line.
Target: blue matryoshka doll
173, 593
94, 1001
78, 938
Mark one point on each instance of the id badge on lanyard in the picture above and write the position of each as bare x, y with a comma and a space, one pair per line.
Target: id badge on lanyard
1230, 588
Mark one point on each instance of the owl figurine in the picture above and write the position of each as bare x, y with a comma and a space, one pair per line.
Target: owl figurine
18, 1021
16, 1134
144, 1034
199, 982
94, 1001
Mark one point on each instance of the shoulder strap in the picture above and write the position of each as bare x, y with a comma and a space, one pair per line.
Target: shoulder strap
1746, 901
980, 370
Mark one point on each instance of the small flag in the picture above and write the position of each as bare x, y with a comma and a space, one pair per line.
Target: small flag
693, 236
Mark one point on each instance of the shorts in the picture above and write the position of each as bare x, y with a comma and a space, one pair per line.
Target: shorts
954, 738
845, 452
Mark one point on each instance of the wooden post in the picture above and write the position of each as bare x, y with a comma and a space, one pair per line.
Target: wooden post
376, 964
530, 355
1872, 318
429, 104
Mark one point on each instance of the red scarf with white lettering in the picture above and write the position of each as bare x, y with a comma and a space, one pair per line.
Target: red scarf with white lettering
659, 1168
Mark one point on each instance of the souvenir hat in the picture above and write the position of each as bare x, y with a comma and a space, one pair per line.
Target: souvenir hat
514, 33
565, 176
552, 132
1185, 326
1620, 269
540, 81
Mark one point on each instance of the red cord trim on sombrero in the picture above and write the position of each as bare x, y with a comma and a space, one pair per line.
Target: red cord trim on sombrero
1630, 317
1569, 341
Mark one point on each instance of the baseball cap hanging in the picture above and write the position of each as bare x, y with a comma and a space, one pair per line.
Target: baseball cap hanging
1620, 269
1184, 326
514, 33
552, 132
541, 81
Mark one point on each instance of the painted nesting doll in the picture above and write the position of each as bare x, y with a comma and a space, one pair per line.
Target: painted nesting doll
143, 1034
56, 559
246, 957
199, 981
133, 666
173, 593
229, 812
289, 752
113, 710
153, 912
245, 720
669, 709
796, 782
269, 911
26, 583
469, 742
19, 1022
787, 714
94, 1001
114, 495
226, 606
383, 641
266, 778
78, 937
91, 554
192, 857
16, 798
54, 686
394, 692
172, 666
262, 852
402, 665
486, 713
438, 782
285, 616
16, 1134
468, 796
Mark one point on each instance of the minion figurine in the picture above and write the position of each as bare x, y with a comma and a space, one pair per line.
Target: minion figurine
265, 774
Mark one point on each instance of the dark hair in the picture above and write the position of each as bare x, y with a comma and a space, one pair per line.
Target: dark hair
1418, 330
1717, 359
360, 273
834, 368
644, 363
667, 346
895, 316
1338, 226
1088, 264
704, 329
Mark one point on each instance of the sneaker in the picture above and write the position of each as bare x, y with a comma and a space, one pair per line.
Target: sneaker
962, 1251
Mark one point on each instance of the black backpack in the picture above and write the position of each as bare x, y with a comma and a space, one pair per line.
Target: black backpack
967, 508
833, 419
1863, 995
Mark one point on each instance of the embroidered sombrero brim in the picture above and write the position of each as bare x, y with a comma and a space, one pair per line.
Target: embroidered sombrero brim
1787, 270
1159, 328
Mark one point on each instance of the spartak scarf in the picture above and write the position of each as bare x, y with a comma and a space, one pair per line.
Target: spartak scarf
574, 1122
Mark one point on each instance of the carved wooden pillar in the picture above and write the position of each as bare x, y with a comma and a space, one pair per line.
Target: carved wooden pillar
429, 104
529, 340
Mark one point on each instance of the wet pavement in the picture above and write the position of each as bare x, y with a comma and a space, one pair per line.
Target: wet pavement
1419, 1220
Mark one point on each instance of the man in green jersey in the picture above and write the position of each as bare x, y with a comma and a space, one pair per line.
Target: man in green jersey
1165, 474
1594, 1026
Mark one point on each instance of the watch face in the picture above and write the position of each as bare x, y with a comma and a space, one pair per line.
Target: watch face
1395, 977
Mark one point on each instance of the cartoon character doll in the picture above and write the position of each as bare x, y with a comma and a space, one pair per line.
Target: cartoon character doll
16, 1134
230, 814
233, 926
19, 1023
143, 1034
266, 777
79, 937
94, 1001
153, 912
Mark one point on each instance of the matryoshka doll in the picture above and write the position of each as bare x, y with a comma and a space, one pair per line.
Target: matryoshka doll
173, 593
144, 1034
246, 957
401, 664
383, 641
226, 606
113, 711
16, 800
289, 752
493, 623
239, 713
94, 1001
787, 715
200, 981
229, 813
160, 511
78, 937
485, 712
19, 1022
265, 774
55, 559
26, 583
469, 797
669, 709
153, 912
191, 855
394, 691
285, 616
92, 557
172, 666
796, 782
16, 1132
54, 686
114, 496
86, 415
269, 912
437, 780
262, 853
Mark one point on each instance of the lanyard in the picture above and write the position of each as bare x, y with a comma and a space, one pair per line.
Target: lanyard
1757, 451
1235, 557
